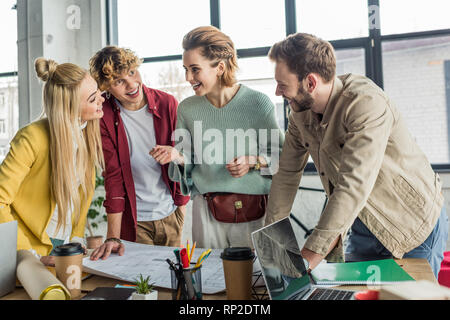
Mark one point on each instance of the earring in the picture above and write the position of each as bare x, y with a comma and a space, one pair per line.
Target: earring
108, 95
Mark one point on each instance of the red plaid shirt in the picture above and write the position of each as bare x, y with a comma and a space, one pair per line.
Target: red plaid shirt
119, 184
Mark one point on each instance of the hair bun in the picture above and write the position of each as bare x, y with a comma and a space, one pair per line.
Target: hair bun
45, 68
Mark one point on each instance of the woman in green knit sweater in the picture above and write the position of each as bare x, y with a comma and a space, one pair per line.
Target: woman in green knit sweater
227, 141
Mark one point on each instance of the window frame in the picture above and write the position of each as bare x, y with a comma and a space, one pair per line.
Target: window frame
372, 45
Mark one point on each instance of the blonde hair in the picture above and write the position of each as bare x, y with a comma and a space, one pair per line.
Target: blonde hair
74, 153
215, 46
110, 62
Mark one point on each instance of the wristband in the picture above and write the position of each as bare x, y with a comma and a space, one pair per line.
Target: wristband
113, 239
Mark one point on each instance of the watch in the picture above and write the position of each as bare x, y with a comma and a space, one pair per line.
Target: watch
257, 165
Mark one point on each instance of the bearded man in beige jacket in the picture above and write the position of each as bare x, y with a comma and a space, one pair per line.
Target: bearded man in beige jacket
378, 181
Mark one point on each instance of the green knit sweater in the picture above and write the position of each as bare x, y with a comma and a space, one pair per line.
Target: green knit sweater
211, 137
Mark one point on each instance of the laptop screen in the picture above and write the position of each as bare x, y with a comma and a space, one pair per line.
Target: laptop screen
8, 254
282, 265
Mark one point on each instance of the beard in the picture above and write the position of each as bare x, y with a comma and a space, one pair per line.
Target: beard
301, 104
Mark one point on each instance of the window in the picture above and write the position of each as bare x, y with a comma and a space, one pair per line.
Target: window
8, 17
333, 20
253, 23
8, 109
402, 16
2, 101
2, 127
9, 106
167, 76
156, 28
258, 73
414, 79
350, 61
402, 45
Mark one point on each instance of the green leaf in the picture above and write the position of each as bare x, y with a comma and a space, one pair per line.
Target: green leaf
92, 213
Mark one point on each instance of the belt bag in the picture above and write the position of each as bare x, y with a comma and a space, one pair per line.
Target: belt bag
236, 207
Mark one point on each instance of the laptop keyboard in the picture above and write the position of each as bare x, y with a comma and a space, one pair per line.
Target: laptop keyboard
330, 294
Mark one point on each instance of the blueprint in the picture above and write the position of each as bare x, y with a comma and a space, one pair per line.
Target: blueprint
151, 261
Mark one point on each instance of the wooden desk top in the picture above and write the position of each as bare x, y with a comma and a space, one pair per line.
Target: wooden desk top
419, 269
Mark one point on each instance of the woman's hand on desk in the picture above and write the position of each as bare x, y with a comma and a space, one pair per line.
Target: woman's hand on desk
106, 249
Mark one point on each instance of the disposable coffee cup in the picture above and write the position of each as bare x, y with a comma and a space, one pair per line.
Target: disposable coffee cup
238, 269
68, 265
94, 242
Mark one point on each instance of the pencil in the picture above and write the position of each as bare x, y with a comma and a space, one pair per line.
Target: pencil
192, 251
187, 251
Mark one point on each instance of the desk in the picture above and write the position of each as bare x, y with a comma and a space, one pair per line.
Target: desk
419, 269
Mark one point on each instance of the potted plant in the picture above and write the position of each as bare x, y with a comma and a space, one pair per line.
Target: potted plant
93, 241
144, 289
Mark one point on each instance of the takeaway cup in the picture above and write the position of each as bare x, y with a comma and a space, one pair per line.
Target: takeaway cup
68, 265
238, 269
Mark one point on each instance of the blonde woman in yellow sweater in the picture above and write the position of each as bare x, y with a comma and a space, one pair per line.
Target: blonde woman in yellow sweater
47, 180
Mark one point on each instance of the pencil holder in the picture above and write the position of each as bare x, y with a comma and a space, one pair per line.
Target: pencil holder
186, 283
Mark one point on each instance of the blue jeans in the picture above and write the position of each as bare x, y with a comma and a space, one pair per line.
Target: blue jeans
363, 245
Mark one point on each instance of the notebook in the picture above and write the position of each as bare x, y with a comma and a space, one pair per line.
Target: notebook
109, 293
356, 273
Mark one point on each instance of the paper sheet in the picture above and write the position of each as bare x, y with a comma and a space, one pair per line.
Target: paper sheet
151, 261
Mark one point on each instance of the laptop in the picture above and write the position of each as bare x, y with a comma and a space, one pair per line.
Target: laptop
8, 256
282, 265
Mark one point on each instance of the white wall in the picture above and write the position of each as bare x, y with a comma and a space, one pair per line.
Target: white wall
62, 30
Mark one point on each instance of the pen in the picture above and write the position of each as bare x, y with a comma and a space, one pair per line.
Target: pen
184, 258
177, 255
202, 258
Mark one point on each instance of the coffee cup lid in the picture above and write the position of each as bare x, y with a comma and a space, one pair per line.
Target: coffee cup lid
237, 254
68, 249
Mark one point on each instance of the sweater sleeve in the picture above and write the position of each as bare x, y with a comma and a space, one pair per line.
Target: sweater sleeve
180, 199
13, 170
183, 143
271, 141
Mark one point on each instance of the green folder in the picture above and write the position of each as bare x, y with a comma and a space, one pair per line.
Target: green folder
355, 273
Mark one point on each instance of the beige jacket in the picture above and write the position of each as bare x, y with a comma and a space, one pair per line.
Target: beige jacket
370, 168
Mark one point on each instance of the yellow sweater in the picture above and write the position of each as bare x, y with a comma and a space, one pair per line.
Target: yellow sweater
25, 189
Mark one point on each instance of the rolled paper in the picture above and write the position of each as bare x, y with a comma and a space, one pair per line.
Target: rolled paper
37, 280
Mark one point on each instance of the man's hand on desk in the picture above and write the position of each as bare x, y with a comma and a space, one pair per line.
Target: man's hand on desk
106, 248
313, 258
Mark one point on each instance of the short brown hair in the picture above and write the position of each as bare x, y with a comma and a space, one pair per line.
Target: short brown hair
109, 63
215, 46
304, 54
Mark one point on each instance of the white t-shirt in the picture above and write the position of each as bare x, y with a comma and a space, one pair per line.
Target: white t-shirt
153, 198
